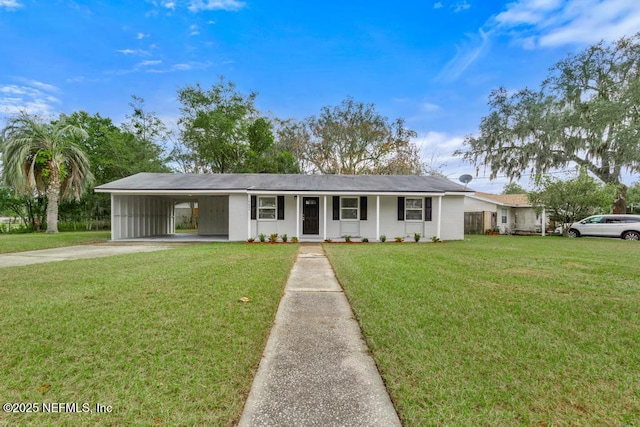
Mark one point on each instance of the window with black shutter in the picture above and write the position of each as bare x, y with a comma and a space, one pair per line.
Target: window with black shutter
280, 207
363, 208
400, 208
254, 207
336, 208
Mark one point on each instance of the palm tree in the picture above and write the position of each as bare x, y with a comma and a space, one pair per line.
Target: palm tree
43, 158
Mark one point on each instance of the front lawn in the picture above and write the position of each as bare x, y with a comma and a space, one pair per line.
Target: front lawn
34, 241
501, 330
163, 338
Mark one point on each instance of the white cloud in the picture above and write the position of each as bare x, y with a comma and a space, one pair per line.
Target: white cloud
169, 5
149, 63
138, 52
466, 55
429, 107
193, 30
32, 97
438, 5
84, 79
460, 6
10, 4
141, 36
185, 66
229, 5
439, 142
551, 23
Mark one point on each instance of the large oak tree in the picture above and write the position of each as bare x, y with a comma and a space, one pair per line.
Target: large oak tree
587, 112
352, 138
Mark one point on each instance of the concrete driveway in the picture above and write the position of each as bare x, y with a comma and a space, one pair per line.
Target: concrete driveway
74, 252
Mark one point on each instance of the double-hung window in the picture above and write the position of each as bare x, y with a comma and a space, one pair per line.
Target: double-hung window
267, 207
503, 219
349, 208
413, 209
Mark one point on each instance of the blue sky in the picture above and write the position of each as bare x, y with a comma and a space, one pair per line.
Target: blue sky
432, 63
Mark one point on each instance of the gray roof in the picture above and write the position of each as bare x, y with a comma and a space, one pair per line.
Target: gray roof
280, 182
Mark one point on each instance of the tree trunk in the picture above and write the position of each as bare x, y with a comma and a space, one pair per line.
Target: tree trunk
620, 204
53, 196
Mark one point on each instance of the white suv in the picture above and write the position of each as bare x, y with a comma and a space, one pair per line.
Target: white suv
624, 226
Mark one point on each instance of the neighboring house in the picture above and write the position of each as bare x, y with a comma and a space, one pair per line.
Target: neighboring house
310, 207
511, 213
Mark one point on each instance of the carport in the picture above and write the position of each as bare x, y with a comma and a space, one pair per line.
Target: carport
142, 215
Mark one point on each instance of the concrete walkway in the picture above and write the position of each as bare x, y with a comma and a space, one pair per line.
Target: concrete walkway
316, 370
16, 259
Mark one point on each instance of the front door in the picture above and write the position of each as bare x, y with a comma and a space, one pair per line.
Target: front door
311, 215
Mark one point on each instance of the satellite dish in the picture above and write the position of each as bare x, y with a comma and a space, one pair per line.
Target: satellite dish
465, 179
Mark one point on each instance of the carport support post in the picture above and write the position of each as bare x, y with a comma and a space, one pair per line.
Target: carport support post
298, 216
248, 216
544, 223
439, 216
378, 217
324, 217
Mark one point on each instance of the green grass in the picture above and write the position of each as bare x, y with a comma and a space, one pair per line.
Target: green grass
162, 337
34, 241
501, 330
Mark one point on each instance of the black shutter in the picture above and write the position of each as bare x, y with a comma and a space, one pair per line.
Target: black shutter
428, 208
363, 208
400, 208
280, 207
254, 208
336, 208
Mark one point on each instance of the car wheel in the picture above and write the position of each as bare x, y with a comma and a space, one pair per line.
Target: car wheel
573, 233
631, 235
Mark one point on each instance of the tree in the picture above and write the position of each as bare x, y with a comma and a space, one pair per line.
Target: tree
149, 131
30, 209
634, 198
513, 188
573, 199
587, 112
214, 126
353, 138
264, 155
43, 158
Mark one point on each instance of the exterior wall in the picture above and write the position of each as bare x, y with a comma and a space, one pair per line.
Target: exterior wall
213, 216
475, 205
525, 219
141, 216
229, 215
452, 227
238, 216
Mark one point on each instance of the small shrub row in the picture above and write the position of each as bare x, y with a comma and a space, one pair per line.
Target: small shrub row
273, 238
